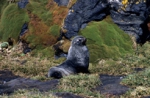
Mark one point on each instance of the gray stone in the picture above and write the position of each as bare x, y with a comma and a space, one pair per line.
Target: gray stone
62, 2
132, 19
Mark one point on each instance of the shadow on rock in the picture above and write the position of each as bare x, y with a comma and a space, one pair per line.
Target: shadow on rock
67, 95
138, 69
111, 85
10, 83
22, 83
6, 75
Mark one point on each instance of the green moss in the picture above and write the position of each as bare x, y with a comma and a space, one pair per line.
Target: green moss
44, 52
11, 21
34, 39
106, 40
80, 84
54, 30
30, 93
3, 4
138, 79
38, 7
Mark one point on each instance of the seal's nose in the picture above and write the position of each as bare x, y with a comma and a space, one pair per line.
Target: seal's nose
84, 41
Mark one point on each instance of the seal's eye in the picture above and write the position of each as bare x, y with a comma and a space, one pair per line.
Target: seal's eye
79, 40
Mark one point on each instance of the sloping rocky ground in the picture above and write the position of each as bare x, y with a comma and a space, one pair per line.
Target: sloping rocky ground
131, 16
40, 24
65, 18
10, 83
22, 71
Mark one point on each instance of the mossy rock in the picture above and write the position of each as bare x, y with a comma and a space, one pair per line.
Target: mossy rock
54, 30
106, 40
3, 4
4, 45
44, 23
12, 20
44, 52
38, 7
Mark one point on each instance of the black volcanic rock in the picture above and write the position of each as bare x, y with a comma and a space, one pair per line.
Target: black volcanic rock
111, 85
67, 95
24, 29
131, 17
83, 12
62, 2
23, 83
23, 3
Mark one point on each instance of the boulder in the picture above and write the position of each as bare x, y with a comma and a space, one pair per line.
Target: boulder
62, 2
132, 17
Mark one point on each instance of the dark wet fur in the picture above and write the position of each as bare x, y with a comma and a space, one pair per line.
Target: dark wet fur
56, 74
77, 60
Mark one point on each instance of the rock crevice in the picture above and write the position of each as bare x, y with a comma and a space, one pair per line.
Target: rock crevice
132, 17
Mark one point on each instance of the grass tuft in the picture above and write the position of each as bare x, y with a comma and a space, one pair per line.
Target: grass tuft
22, 93
106, 40
81, 84
12, 20
38, 7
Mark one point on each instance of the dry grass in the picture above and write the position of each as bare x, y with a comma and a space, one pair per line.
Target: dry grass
81, 84
58, 12
28, 94
26, 65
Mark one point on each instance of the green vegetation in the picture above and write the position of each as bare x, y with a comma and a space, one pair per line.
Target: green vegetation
138, 79
3, 4
106, 40
12, 20
54, 30
29, 94
38, 7
81, 84
110, 49
47, 52
141, 78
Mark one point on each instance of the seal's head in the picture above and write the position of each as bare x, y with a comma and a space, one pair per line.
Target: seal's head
79, 41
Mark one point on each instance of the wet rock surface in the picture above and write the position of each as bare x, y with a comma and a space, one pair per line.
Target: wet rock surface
62, 2
138, 69
67, 95
132, 17
82, 12
10, 83
111, 85
24, 29
22, 3
6, 75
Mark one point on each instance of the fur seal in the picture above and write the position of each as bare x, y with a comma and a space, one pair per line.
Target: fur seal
77, 60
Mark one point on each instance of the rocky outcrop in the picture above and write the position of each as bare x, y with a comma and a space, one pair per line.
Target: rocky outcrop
82, 12
23, 83
23, 3
111, 85
24, 29
62, 2
10, 83
130, 15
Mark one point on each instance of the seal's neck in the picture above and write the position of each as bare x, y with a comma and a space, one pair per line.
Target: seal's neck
76, 52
